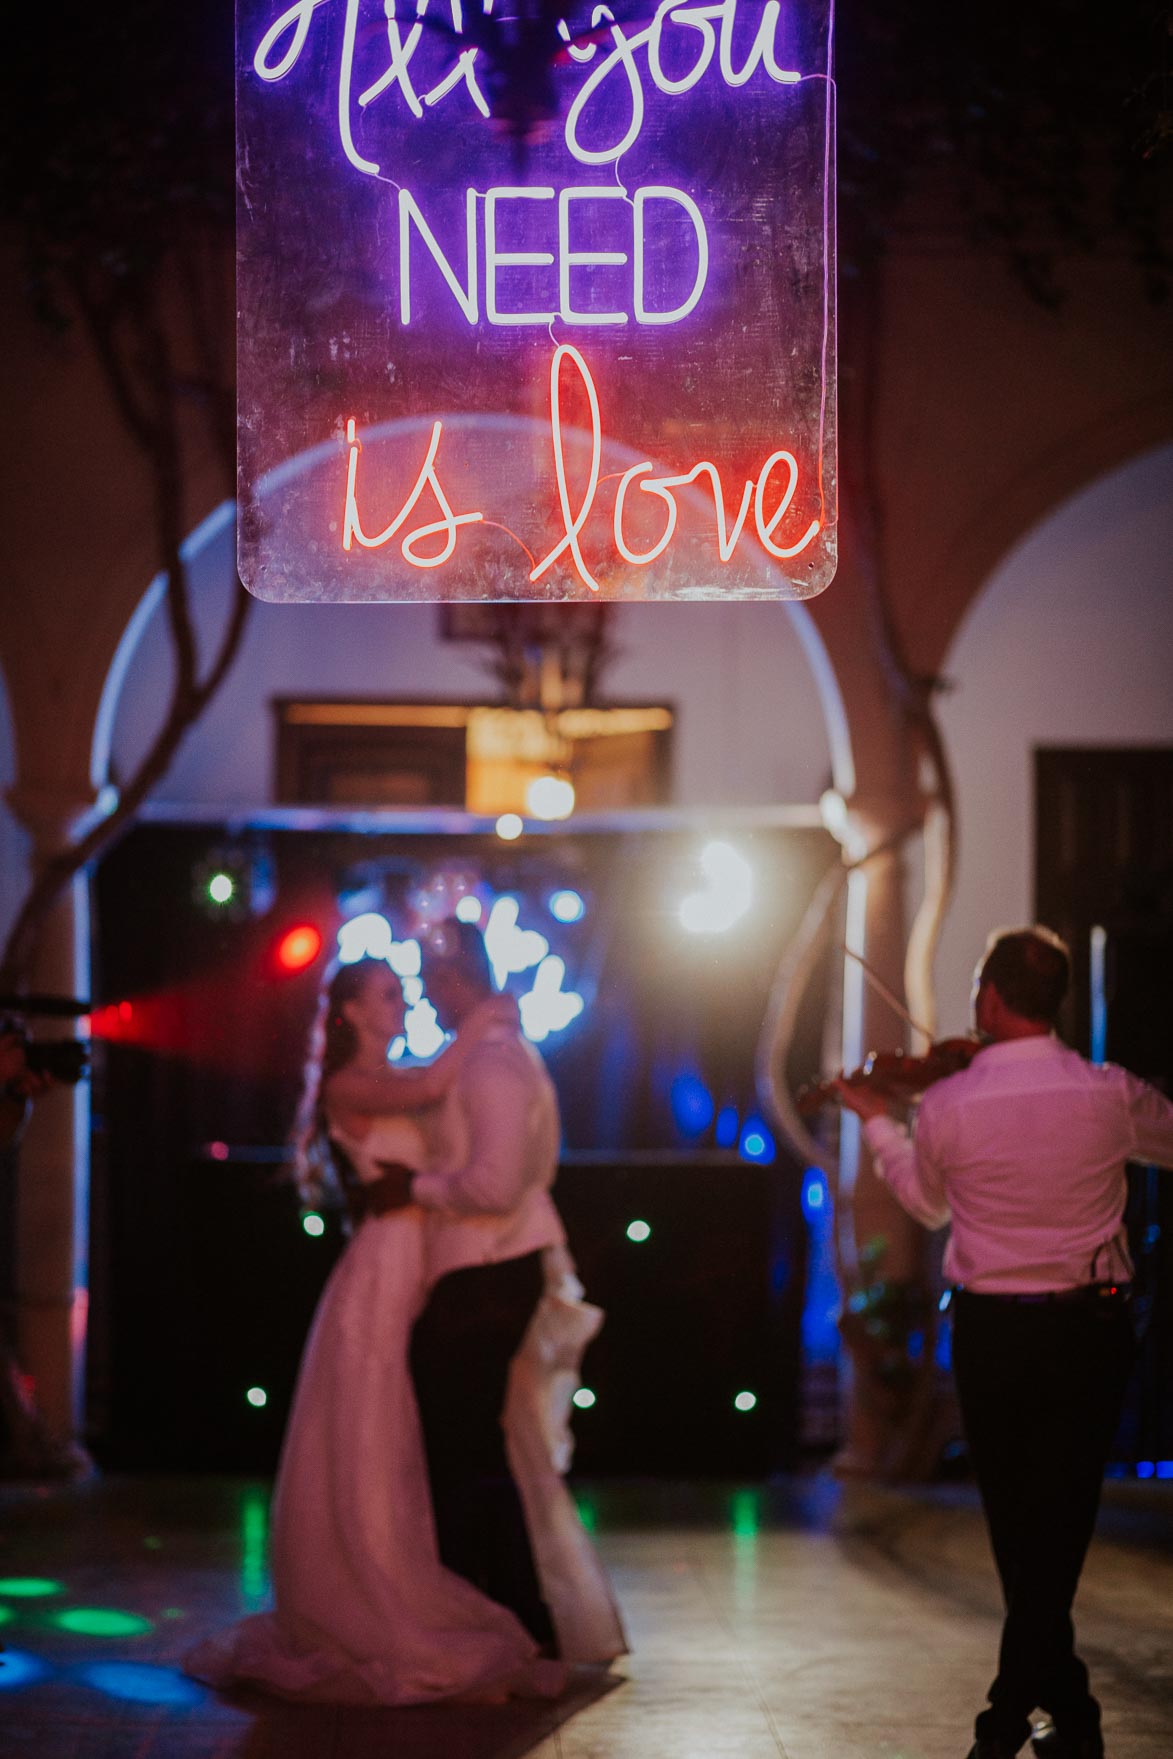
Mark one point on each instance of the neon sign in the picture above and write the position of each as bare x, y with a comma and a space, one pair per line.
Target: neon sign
480, 364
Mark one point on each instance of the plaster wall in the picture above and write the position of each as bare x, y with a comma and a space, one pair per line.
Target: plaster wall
750, 728
1071, 642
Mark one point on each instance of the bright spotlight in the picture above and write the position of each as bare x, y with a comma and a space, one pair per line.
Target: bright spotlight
221, 887
745, 1401
509, 827
638, 1232
548, 1007
584, 1398
468, 908
727, 894
567, 906
368, 936
550, 797
257, 1397
313, 1224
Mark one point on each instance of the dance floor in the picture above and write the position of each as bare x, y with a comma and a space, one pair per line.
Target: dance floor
804, 1619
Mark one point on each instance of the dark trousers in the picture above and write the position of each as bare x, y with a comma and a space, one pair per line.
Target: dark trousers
461, 1348
1040, 1388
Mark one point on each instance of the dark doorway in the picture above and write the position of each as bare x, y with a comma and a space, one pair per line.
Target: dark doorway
1104, 881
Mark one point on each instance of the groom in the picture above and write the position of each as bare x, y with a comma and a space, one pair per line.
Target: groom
492, 1218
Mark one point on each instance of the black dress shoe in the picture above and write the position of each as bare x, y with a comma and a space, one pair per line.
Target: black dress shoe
1048, 1743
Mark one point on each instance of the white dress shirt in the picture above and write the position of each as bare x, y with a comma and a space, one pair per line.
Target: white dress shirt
499, 1125
1024, 1154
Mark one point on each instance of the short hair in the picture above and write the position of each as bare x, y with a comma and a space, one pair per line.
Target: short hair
458, 946
1030, 968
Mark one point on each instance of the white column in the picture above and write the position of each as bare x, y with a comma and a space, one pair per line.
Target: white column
52, 1219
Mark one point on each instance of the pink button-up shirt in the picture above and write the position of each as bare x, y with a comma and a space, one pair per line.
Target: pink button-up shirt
490, 1193
1023, 1153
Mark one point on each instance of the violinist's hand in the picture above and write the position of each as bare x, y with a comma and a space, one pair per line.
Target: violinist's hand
863, 1101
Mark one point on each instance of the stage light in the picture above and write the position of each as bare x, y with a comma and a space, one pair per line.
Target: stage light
425, 1035
550, 797
298, 947
367, 936
509, 827
18, 1668
548, 1007
313, 1224
1165, 1468
254, 1545
1145, 1468
141, 1683
6, 1615
29, 1587
221, 888
757, 1144
567, 906
405, 959
511, 949
257, 1397
100, 1621
814, 1190
638, 1232
745, 1401
726, 1131
236, 880
468, 909
584, 1398
727, 894
692, 1104
217, 1151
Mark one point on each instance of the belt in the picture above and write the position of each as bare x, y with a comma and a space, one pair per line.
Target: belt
1084, 1292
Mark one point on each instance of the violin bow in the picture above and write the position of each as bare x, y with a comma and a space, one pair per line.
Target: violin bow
881, 989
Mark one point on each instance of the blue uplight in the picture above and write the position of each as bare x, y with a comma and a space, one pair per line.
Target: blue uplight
18, 1668
692, 1104
1165, 1468
141, 1683
1145, 1469
757, 1144
814, 1191
567, 906
727, 1120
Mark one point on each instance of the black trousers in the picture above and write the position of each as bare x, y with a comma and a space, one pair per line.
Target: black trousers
461, 1348
1041, 1388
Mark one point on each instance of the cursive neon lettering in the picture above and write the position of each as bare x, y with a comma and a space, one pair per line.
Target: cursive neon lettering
397, 72
715, 48
345, 80
298, 18
641, 558
767, 527
448, 523
573, 522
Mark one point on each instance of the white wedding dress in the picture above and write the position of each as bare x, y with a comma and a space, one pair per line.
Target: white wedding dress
364, 1611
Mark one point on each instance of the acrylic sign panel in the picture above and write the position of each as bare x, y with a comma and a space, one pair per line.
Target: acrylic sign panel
550, 321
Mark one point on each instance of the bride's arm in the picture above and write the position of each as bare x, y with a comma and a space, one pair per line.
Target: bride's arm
411, 1090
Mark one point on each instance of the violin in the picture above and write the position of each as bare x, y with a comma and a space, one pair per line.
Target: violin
894, 1075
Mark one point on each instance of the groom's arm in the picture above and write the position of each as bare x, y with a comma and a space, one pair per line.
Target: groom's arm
493, 1180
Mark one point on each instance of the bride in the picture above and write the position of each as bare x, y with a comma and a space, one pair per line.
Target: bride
364, 1611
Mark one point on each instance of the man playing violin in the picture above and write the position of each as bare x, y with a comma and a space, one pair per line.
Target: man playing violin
1023, 1154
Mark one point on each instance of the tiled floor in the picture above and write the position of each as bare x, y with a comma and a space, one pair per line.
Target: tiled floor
805, 1619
